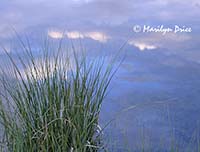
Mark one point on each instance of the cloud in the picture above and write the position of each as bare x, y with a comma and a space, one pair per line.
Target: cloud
97, 36
170, 41
55, 34
142, 46
74, 35
102, 20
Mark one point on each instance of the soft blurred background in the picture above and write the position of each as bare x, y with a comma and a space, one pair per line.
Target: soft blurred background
154, 97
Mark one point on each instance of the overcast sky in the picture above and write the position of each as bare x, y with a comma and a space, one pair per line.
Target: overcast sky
108, 22
111, 18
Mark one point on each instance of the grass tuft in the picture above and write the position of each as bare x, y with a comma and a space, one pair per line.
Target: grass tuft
54, 103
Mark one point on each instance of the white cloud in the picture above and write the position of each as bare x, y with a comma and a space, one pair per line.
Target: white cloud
152, 41
142, 46
55, 34
98, 36
74, 35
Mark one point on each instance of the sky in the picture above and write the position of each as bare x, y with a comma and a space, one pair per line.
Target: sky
109, 23
156, 67
105, 21
113, 19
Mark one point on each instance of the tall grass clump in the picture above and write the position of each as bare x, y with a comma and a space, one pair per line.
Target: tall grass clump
52, 103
